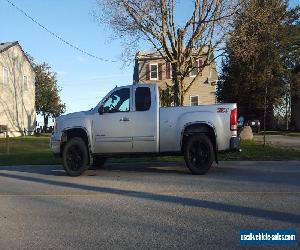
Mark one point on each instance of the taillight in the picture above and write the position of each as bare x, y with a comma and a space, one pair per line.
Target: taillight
233, 119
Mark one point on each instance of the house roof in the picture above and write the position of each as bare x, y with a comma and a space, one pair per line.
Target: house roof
6, 45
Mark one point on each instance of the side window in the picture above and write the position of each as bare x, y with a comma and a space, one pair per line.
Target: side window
194, 100
25, 82
118, 101
142, 99
5, 75
195, 68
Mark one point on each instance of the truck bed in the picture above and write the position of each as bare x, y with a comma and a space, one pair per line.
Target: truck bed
173, 120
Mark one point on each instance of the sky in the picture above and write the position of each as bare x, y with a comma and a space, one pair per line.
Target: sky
84, 80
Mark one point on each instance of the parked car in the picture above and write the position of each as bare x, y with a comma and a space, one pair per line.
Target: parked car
251, 121
130, 121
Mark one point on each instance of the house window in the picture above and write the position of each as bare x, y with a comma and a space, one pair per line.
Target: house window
194, 100
195, 68
25, 82
5, 75
154, 71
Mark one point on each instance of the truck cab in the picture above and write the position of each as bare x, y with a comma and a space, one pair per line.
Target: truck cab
127, 121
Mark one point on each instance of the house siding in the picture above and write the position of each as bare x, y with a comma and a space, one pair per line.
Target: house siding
17, 104
205, 91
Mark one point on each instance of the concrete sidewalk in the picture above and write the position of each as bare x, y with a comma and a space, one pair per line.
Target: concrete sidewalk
292, 142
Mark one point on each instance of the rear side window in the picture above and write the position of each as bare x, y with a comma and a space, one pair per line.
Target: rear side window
142, 99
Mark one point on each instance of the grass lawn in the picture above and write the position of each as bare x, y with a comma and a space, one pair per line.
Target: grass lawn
252, 150
27, 150
34, 150
287, 133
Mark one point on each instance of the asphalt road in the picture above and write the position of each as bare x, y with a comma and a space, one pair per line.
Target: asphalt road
146, 205
292, 142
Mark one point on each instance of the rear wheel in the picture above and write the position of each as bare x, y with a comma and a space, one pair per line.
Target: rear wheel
199, 154
75, 157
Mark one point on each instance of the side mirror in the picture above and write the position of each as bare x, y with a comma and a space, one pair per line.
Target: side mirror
101, 110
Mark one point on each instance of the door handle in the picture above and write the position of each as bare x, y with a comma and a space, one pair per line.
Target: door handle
124, 119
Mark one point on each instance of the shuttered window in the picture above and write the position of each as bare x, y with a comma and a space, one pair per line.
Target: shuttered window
154, 71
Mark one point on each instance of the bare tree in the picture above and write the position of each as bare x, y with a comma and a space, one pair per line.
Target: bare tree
181, 45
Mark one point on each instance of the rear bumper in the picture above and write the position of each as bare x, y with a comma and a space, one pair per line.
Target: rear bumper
235, 144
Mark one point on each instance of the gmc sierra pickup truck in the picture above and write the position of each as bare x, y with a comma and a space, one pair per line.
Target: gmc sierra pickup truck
130, 121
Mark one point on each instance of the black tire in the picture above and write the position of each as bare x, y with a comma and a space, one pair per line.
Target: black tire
98, 162
75, 157
198, 154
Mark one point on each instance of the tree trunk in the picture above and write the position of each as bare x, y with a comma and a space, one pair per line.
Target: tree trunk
176, 84
181, 91
270, 117
46, 118
286, 112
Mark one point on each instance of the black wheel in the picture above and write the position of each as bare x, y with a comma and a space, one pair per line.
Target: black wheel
198, 154
75, 157
98, 162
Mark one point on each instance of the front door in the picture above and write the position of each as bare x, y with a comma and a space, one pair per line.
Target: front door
112, 130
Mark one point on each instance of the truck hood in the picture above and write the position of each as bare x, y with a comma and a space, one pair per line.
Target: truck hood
74, 115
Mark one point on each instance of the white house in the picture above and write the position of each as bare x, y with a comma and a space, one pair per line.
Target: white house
17, 90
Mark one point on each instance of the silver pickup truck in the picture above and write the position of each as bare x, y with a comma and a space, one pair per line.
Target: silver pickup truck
130, 121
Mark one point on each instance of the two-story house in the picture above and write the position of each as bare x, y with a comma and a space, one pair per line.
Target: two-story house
17, 90
151, 67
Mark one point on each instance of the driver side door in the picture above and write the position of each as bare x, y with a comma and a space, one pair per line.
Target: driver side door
112, 129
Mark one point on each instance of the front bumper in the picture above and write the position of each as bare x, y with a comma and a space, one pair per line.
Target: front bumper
55, 143
235, 144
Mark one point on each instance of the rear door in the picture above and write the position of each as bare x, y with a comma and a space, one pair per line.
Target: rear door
145, 119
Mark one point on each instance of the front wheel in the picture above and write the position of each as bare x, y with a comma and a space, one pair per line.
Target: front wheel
75, 157
198, 154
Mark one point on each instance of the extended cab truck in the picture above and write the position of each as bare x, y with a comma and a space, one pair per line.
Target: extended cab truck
130, 121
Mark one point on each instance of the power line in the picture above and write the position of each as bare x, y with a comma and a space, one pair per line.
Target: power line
57, 36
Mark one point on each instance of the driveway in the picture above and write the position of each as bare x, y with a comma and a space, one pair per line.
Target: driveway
292, 142
151, 205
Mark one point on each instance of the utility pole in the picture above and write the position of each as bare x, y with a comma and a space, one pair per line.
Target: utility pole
287, 109
265, 111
